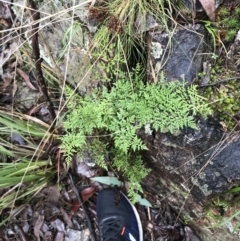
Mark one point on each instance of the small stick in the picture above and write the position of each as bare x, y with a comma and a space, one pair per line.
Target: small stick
218, 82
35, 15
81, 203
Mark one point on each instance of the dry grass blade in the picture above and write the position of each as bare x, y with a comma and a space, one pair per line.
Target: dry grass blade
28, 192
21, 176
16, 123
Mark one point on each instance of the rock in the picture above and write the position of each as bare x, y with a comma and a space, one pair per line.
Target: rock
191, 168
198, 5
25, 97
233, 62
65, 44
223, 169
179, 55
74, 235
145, 23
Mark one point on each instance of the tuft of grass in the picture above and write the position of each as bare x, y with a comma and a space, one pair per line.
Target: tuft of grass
34, 181
223, 210
123, 25
230, 35
223, 12
237, 11
22, 173
231, 23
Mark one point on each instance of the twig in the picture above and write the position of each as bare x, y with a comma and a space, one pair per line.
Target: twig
35, 15
218, 82
81, 204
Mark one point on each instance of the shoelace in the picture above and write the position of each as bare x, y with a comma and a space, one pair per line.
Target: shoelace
112, 231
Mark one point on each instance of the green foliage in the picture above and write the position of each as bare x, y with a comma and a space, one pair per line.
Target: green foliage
124, 24
131, 166
223, 12
237, 11
114, 60
110, 181
231, 34
224, 210
22, 172
225, 28
225, 101
229, 21
120, 113
212, 30
232, 23
113, 181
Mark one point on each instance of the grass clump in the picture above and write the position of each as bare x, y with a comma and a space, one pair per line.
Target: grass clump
224, 30
224, 210
22, 172
124, 23
121, 112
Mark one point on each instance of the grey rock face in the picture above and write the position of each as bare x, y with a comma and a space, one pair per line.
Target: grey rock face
223, 170
179, 55
205, 161
191, 168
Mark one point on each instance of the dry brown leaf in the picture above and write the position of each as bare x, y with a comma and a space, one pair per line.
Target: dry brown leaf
21, 235
24, 219
85, 194
209, 7
66, 218
75, 206
5, 12
7, 52
59, 236
38, 225
26, 78
4, 22
6, 82
33, 110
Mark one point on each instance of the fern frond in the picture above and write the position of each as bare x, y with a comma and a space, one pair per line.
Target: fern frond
121, 112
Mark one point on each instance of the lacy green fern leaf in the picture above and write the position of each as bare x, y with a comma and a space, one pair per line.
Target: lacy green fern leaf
121, 112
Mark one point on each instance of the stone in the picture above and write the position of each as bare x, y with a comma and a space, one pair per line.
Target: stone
232, 60
189, 169
179, 55
75, 235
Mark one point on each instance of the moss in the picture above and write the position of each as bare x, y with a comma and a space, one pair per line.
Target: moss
224, 98
224, 209
228, 23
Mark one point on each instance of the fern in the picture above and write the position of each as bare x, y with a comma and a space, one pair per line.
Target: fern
121, 112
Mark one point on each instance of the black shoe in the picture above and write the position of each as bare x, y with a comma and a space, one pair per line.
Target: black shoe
118, 219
